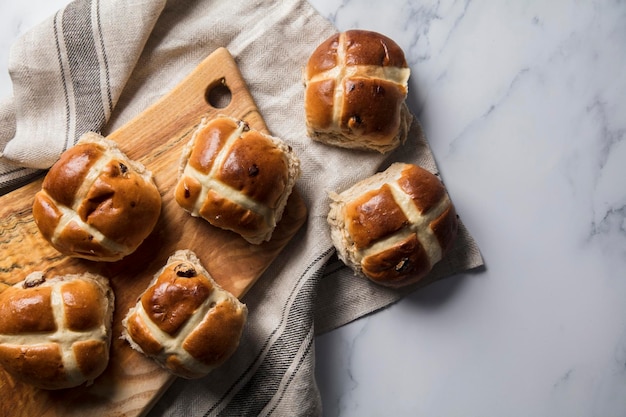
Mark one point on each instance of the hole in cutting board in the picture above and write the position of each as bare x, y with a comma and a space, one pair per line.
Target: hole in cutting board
218, 95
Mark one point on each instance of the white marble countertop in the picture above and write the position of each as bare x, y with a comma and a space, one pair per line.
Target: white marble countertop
524, 105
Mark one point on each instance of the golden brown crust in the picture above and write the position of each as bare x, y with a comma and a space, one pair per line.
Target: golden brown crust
210, 140
136, 327
91, 200
89, 354
445, 228
121, 205
39, 363
370, 48
83, 307
67, 175
373, 216
319, 99
355, 91
256, 168
26, 311
377, 122
175, 296
422, 187
33, 349
75, 241
394, 226
236, 178
212, 341
398, 262
184, 320
226, 214
324, 57
187, 192
49, 215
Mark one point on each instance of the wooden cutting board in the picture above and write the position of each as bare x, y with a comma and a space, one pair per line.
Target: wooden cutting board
132, 383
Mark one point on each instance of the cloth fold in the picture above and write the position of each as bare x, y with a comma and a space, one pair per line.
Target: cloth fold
95, 65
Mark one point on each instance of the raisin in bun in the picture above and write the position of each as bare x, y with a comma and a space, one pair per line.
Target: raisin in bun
184, 320
356, 84
96, 203
236, 178
56, 333
393, 226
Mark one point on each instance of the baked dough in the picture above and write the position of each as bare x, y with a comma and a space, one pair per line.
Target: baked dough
184, 320
96, 203
56, 333
236, 178
393, 226
356, 83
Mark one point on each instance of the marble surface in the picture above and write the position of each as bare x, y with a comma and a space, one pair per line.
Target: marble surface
524, 104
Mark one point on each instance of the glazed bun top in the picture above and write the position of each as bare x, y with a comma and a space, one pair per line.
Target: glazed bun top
96, 203
356, 86
394, 226
185, 321
55, 333
236, 178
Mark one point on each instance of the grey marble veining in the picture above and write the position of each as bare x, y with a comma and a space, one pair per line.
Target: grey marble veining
523, 104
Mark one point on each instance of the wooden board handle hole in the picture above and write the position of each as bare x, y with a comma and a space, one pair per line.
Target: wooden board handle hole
218, 94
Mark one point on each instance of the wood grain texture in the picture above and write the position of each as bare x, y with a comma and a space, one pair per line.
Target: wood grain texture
132, 383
